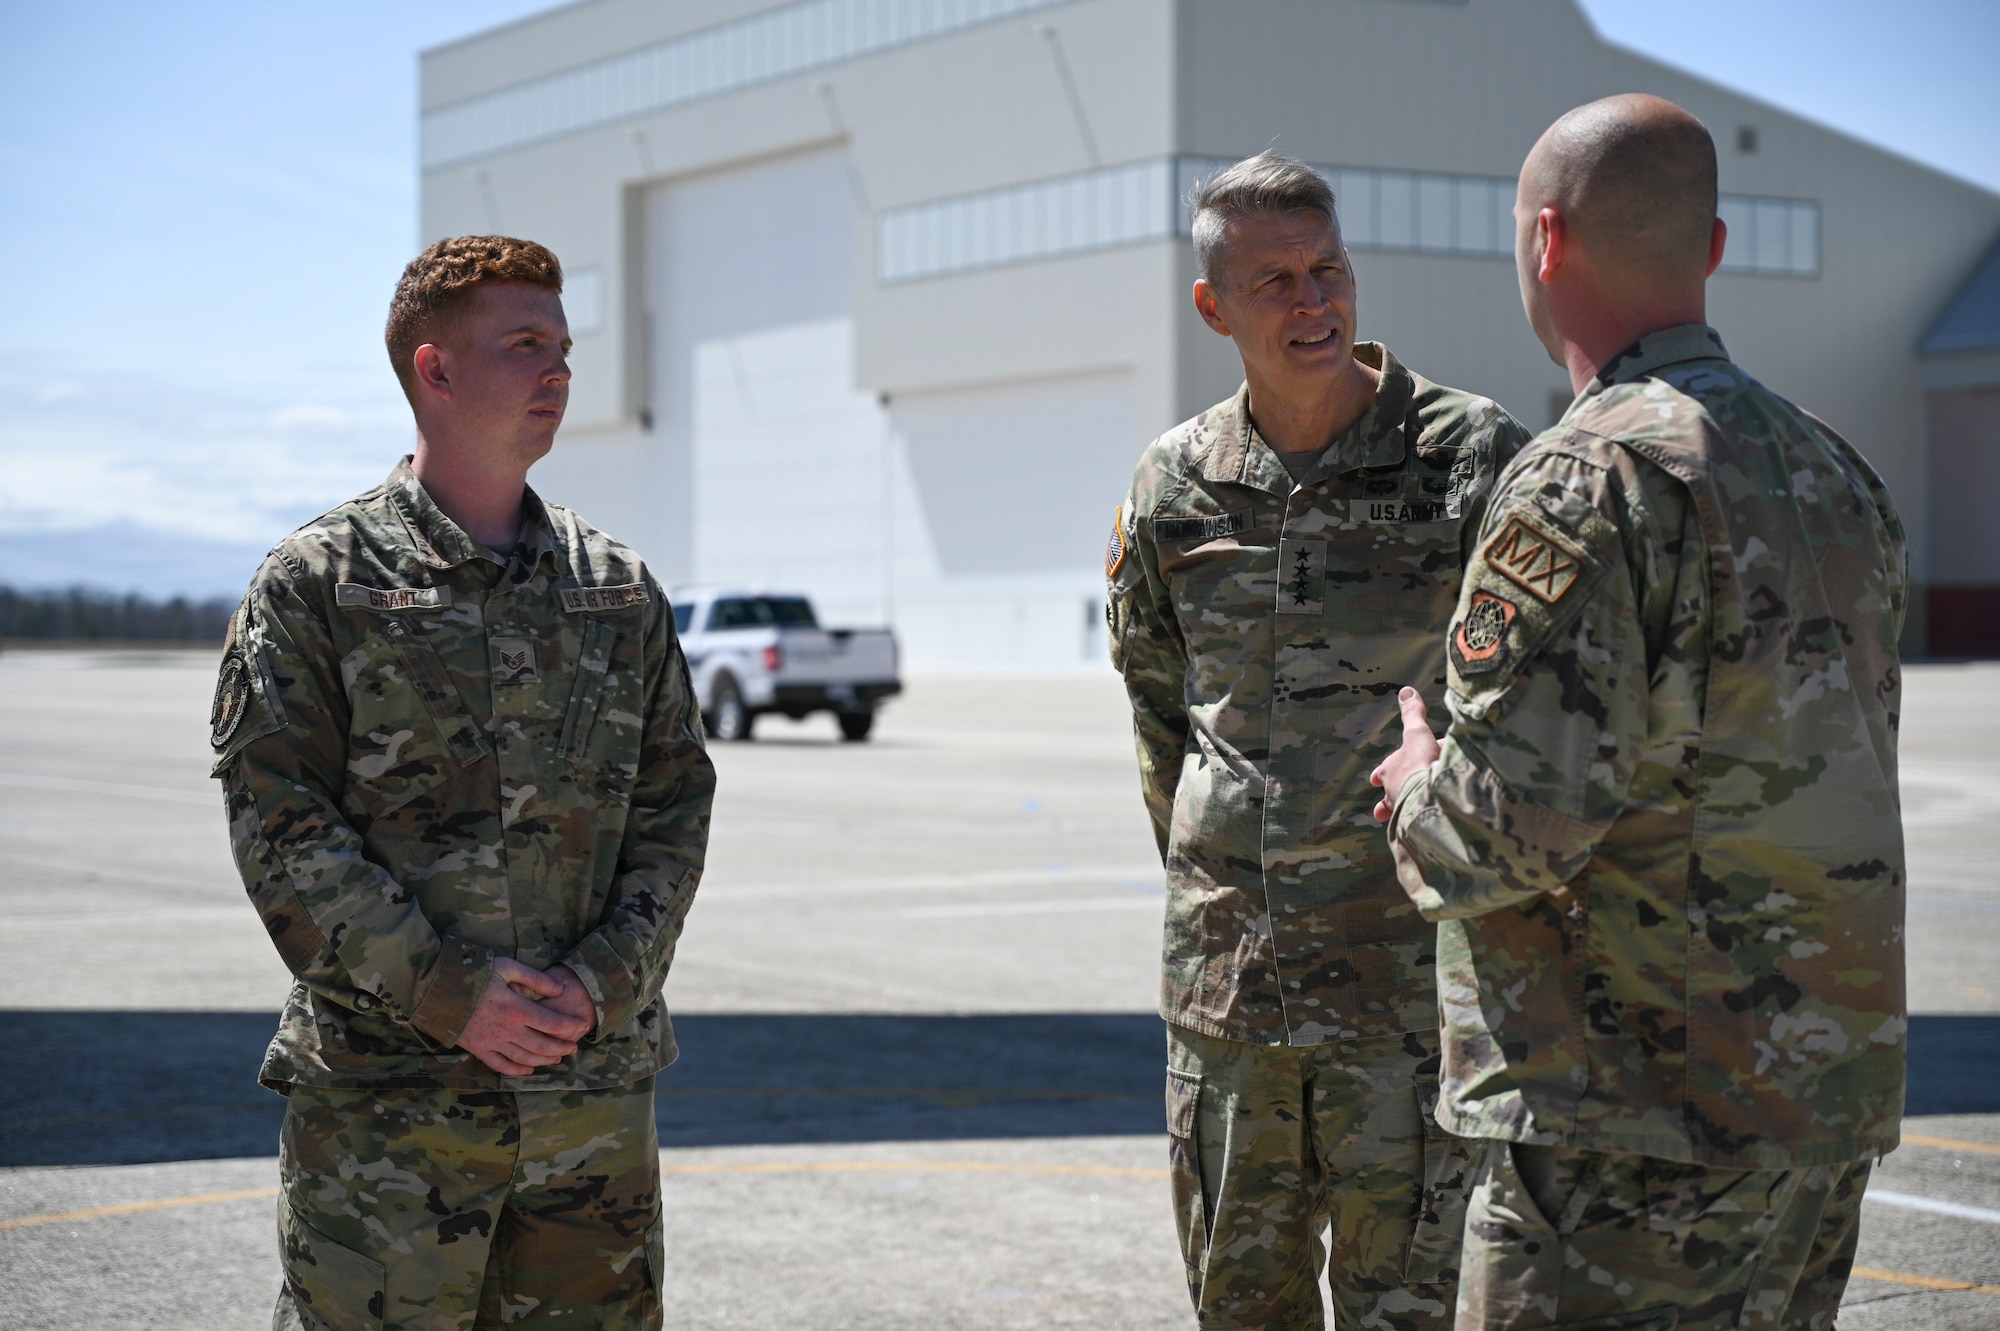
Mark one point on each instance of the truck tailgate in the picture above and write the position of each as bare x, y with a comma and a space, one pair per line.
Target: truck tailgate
837, 656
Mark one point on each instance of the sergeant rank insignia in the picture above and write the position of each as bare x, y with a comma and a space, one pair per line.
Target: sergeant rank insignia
1114, 550
517, 662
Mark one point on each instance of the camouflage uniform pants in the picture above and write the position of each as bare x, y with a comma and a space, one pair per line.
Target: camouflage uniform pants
456, 1209
1287, 1161
1570, 1240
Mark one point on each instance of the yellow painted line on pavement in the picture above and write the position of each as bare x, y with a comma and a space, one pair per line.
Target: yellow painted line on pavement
1922, 1282
133, 1208
1951, 1144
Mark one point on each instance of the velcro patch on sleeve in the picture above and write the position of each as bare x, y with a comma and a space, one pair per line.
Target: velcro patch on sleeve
1114, 549
246, 706
584, 600
1479, 638
1529, 552
232, 699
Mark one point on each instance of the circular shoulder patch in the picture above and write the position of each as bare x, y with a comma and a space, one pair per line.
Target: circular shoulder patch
1484, 624
232, 699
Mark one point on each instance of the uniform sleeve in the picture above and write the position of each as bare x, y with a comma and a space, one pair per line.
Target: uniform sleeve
1148, 650
1571, 660
1497, 439
623, 962
343, 925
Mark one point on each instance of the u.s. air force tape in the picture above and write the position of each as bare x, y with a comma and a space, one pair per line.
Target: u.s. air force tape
580, 600
1200, 529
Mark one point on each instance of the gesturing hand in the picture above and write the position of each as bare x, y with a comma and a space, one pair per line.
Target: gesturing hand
525, 1018
1419, 751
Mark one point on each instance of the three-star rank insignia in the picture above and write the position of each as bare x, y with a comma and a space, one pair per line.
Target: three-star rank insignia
232, 699
1527, 553
1479, 639
1114, 550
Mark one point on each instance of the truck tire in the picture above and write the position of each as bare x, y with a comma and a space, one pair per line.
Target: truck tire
855, 725
729, 720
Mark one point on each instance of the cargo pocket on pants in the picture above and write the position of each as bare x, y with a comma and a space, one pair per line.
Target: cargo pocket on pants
332, 1288
1439, 1234
1184, 1163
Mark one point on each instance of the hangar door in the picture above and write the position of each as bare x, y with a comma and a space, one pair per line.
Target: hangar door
971, 519
769, 466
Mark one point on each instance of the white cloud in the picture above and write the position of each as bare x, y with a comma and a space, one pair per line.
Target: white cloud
209, 463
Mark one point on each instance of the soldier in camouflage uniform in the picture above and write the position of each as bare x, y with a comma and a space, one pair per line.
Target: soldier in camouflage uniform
467, 793
1283, 562
1663, 832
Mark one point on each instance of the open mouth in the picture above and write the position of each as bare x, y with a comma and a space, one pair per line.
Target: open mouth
1312, 341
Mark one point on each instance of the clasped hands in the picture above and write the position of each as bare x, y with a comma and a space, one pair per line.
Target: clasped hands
1419, 750
527, 1018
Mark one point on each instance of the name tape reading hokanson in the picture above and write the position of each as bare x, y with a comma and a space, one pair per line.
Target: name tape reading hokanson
577, 600
1200, 529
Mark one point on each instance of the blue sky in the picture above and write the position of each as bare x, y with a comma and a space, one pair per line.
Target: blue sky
206, 205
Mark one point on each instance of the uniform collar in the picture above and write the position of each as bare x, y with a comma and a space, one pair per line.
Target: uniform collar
442, 543
1240, 453
1666, 346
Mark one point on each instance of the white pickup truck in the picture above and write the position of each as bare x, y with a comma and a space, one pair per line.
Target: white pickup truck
753, 652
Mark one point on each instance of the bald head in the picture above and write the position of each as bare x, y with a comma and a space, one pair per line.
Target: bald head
1634, 177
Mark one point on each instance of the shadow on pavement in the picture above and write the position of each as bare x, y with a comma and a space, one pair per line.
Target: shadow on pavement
103, 1088
113, 1088
1954, 1064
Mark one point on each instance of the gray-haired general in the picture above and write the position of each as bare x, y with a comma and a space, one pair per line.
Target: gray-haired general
1282, 562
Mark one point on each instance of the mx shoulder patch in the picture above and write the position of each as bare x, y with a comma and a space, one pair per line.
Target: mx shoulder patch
1114, 550
1530, 553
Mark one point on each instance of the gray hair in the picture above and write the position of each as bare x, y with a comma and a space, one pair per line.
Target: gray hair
1268, 184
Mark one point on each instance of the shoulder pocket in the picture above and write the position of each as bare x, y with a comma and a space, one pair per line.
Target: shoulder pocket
1529, 578
246, 705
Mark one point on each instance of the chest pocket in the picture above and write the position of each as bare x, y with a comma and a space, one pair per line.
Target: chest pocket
410, 730
602, 728
593, 671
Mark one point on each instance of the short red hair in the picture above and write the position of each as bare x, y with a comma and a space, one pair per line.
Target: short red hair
436, 284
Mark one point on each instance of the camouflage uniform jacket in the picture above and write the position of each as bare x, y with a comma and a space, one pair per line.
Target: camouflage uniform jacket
431, 759
1263, 629
1664, 833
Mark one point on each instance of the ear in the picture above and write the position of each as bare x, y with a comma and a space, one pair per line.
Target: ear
1553, 242
433, 366
1716, 240
1208, 308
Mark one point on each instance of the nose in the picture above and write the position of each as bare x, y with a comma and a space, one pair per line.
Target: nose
558, 371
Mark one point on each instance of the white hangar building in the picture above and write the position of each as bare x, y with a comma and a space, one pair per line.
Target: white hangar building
880, 299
